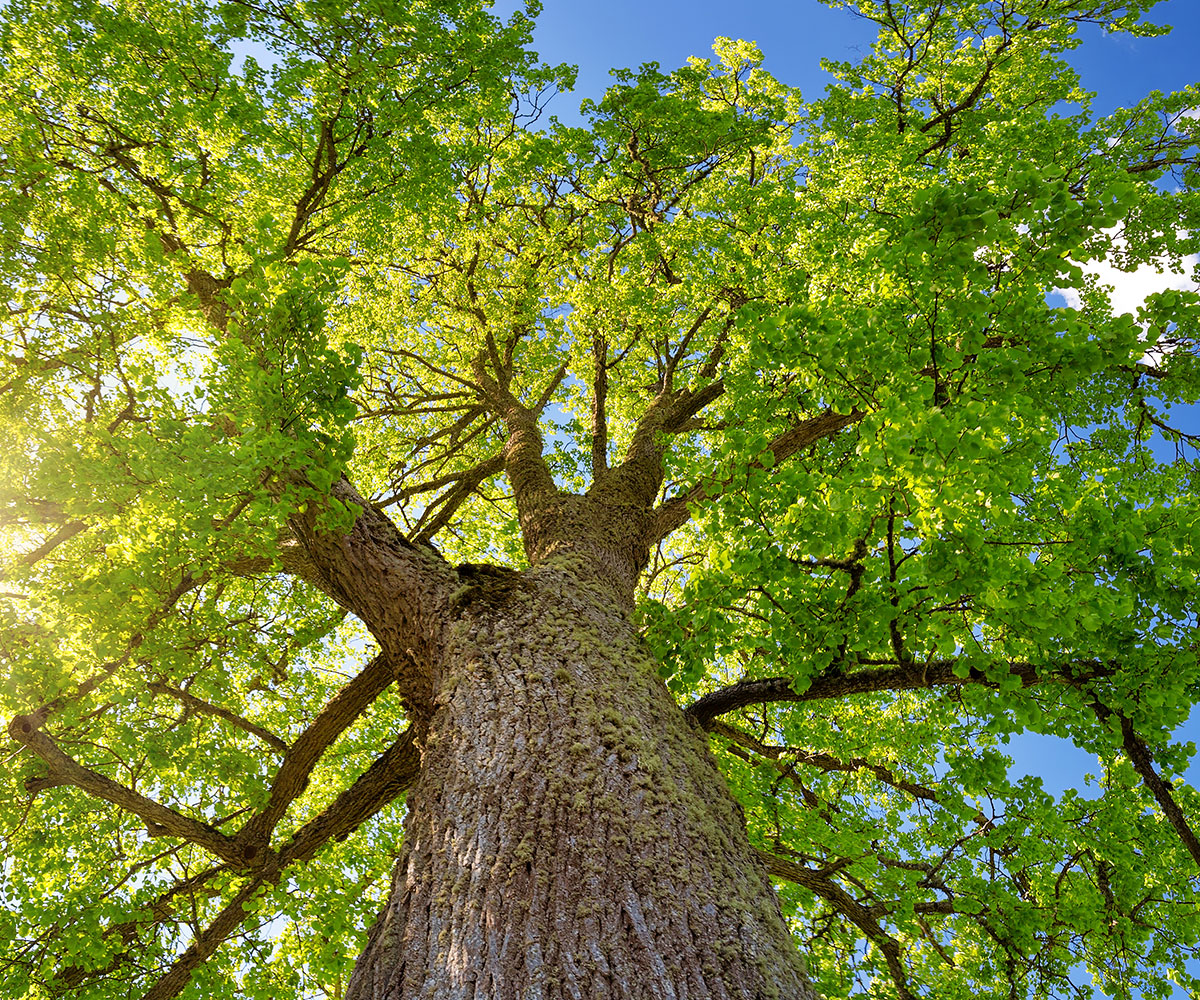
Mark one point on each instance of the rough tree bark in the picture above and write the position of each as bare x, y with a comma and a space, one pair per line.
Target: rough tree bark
570, 835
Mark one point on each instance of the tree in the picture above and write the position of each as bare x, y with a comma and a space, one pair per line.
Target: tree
621, 552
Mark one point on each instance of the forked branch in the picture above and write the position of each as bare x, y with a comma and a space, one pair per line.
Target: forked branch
861, 916
391, 775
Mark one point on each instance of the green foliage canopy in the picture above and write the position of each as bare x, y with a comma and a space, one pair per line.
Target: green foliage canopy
917, 507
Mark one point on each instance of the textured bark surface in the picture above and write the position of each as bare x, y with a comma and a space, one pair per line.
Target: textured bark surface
570, 835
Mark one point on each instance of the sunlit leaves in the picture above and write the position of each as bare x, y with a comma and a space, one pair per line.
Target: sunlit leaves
999, 510
248, 250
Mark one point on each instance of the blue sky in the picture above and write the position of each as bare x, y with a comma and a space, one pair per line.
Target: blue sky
796, 34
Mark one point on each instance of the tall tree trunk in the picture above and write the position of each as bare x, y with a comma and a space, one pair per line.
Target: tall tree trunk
570, 835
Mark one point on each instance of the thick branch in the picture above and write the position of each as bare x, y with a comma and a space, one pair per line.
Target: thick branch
292, 777
160, 820
599, 399
524, 462
902, 677
639, 476
208, 290
294, 561
395, 587
291, 558
392, 774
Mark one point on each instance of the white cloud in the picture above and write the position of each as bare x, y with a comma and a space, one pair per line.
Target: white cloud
1129, 289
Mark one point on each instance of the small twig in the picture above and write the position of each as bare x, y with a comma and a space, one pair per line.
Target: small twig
207, 708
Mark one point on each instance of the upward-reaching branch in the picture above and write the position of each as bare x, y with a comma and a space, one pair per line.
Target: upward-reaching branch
676, 511
599, 399
636, 481
532, 483
292, 777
